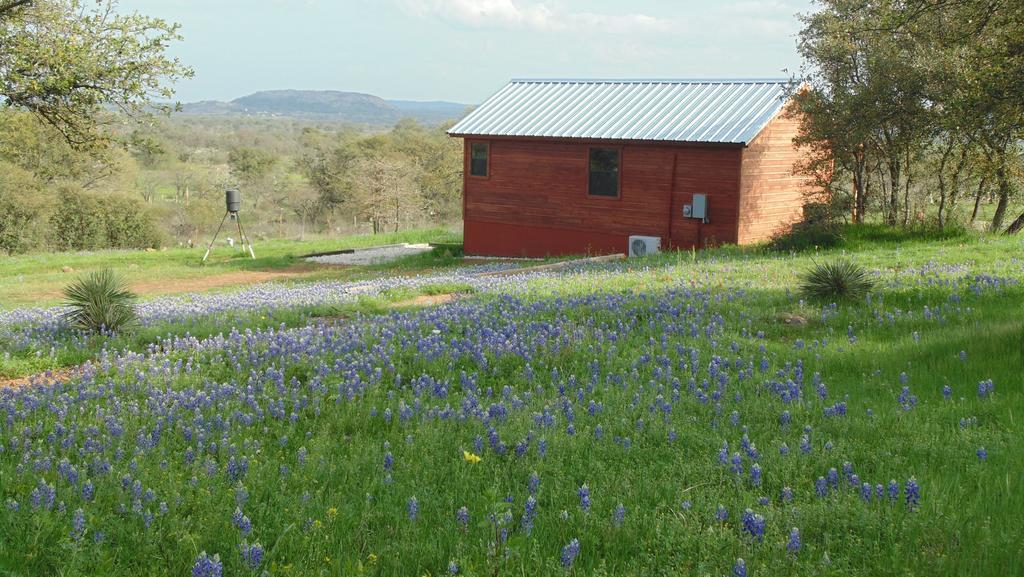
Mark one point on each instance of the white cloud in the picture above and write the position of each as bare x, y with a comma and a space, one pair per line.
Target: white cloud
532, 15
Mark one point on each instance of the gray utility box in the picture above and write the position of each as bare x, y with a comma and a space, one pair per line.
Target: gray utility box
699, 208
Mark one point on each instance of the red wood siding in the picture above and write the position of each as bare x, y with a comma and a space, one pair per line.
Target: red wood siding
535, 201
771, 195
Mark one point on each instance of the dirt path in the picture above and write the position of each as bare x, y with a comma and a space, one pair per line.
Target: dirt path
169, 286
47, 378
243, 277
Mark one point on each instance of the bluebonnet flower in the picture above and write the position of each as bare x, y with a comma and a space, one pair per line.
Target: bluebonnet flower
894, 490
737, 464
739, 568
821, 487
598, 432
722, 514
241, 522
252, 555
794, 544
619, 515
453, 568
963, 355
78, 524
723, 453
833, 478
413, 507
237, 468
866, 491
570, 552
535, 483
912, 493
755, 475
529, 513
805, 444
88, 491
753, 524
584, 495
986, 388
685, 506
787, 494
947, 392
206, 566
982, 454
462, 518
389, 461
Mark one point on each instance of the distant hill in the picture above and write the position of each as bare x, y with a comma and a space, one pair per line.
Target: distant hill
330, 105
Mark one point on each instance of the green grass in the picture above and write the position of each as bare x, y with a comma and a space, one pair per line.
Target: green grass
37, 279
336, 513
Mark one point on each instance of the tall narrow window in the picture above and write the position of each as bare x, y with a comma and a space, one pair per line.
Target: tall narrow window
604, 172
479, 156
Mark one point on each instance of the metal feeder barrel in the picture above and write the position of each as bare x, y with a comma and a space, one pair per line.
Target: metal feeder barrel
233, 199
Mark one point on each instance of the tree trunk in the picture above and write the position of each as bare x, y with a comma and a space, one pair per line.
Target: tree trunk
942, 186
977, 200
1017, 225
859, 190
894, 191
1004, 198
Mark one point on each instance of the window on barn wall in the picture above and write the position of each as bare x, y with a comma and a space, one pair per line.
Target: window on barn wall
479, 157
604, 172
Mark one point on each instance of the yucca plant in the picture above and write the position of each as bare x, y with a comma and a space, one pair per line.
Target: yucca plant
100, 302
837, 280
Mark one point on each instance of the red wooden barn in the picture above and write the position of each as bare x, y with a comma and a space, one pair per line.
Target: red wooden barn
579, 166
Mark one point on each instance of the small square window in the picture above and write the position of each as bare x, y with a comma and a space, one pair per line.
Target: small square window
604, 172
479, 155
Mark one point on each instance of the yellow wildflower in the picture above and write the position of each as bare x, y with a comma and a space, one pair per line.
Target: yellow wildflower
332, 511
470, 457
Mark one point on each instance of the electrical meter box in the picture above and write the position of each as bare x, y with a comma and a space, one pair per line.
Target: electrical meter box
699, 208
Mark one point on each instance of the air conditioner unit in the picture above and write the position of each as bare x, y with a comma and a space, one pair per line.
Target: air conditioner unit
644, 245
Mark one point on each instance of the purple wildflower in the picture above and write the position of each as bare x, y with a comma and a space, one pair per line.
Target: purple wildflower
912, 493
78, 524
252, 555
570, 552
753, 524
619, 515
207, 566
584, 495
794, 544
462, 518
413, 507
739, 569
982, 454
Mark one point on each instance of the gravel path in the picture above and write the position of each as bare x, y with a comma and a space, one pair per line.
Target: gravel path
376, 255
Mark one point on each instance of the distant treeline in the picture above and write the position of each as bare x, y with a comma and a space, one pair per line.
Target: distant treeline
163, 182
914, 110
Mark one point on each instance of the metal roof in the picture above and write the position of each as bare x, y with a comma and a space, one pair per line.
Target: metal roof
718, 111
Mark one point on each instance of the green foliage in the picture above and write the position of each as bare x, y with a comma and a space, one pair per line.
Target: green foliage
808, 235
20, 210
65, 60
100, 302
837, 280
84, 221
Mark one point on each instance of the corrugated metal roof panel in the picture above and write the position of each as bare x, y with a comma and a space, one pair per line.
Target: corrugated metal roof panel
719, 111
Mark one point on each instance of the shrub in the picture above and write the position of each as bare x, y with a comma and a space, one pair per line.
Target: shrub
100, 302
837, 280
818, 229
21, 210
83, 221
807, 235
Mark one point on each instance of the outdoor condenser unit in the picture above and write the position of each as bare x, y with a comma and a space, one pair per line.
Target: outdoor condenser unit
644, 245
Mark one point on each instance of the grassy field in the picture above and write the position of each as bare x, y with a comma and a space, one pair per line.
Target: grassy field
37, 279
662, 416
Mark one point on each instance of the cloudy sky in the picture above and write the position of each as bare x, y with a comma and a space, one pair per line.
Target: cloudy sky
464, 50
